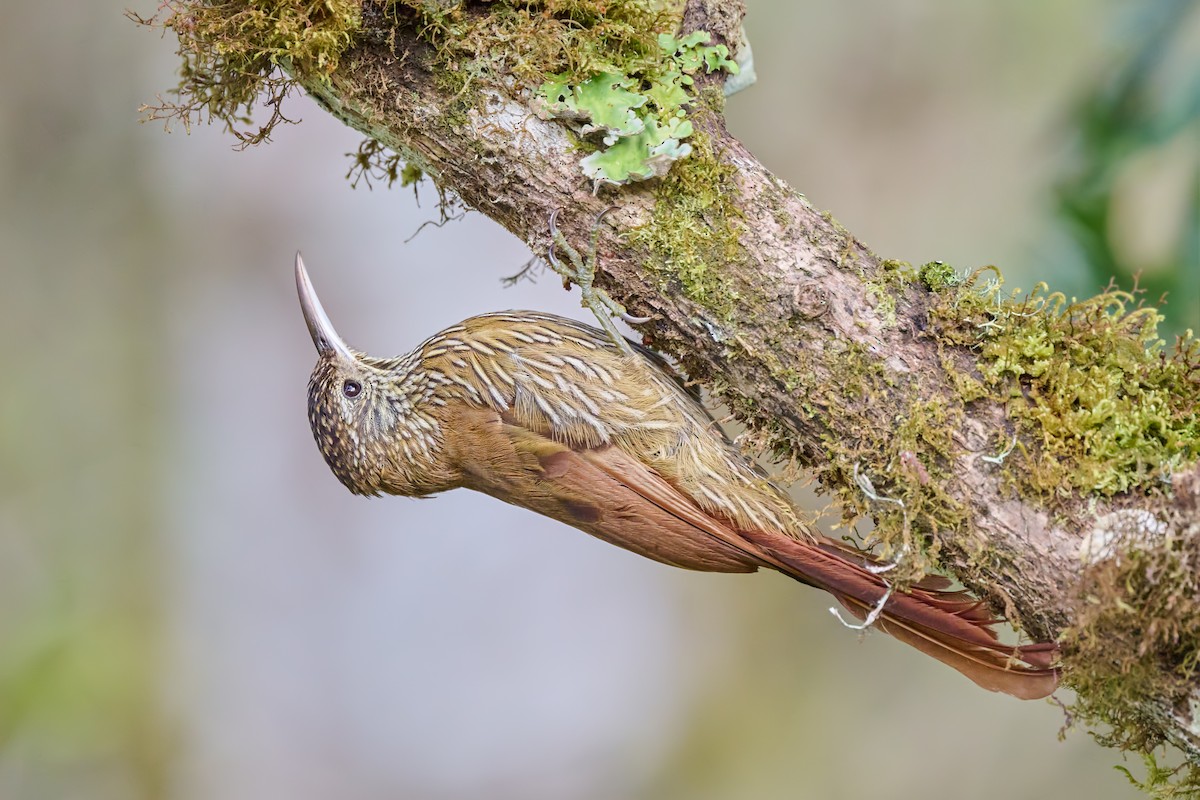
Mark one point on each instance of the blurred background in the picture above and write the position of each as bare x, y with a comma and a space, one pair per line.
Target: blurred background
192, 607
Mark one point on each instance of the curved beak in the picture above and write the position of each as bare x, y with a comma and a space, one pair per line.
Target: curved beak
323, 335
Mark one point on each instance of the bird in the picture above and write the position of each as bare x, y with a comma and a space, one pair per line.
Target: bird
550, 414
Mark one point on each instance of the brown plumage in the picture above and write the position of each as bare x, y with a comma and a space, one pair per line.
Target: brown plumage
549, 414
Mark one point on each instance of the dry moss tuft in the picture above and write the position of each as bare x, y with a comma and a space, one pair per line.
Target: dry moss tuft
533, 39
1137, 634
235, 51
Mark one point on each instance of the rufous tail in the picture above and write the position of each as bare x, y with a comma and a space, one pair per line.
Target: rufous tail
951, 626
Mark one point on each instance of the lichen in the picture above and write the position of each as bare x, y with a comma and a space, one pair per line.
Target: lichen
619, 67
234, 52
641, 116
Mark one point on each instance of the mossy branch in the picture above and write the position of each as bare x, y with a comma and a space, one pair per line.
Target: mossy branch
1043, 450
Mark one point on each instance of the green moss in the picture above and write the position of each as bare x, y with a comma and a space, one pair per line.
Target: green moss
533, 40
938, 275
1137, 637
234, 51
693, 232
885, 302
613, 68
899, 468
909, 457
903, 269
1104, 404
1166, 782
888, 285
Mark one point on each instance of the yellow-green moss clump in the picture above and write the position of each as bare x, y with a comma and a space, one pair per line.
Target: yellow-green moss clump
575, 57
531, 40
693, 233
235, 51
1104, 405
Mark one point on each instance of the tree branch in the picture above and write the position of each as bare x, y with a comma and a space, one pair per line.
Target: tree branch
959, 404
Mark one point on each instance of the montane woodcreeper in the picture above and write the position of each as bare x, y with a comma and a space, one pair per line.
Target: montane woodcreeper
550, 414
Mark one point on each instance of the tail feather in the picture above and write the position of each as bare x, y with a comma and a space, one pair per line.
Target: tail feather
951, 626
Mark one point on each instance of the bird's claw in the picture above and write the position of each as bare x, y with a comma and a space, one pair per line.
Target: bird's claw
582, 272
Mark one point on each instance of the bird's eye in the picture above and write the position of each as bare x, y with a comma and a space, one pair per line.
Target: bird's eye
351, 388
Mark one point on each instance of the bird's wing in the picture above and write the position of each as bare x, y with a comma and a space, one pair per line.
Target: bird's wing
614, 496
528, 468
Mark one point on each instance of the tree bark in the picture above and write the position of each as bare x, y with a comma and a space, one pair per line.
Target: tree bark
808, 336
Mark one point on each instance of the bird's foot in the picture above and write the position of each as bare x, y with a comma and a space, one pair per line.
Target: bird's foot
582, 272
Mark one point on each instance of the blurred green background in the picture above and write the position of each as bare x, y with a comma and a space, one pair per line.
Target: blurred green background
192, 607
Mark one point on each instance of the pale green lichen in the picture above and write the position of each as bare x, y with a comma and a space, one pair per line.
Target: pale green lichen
640, 115
602, 103
641, 156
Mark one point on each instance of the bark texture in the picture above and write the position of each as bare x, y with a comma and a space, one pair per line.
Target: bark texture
800, 328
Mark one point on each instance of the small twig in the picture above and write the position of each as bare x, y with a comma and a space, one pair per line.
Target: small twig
524, 274
1068, 717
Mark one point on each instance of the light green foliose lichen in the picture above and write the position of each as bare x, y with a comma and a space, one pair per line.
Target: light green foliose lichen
640, 116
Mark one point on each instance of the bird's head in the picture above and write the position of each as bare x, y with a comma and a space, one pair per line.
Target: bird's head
350, 405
